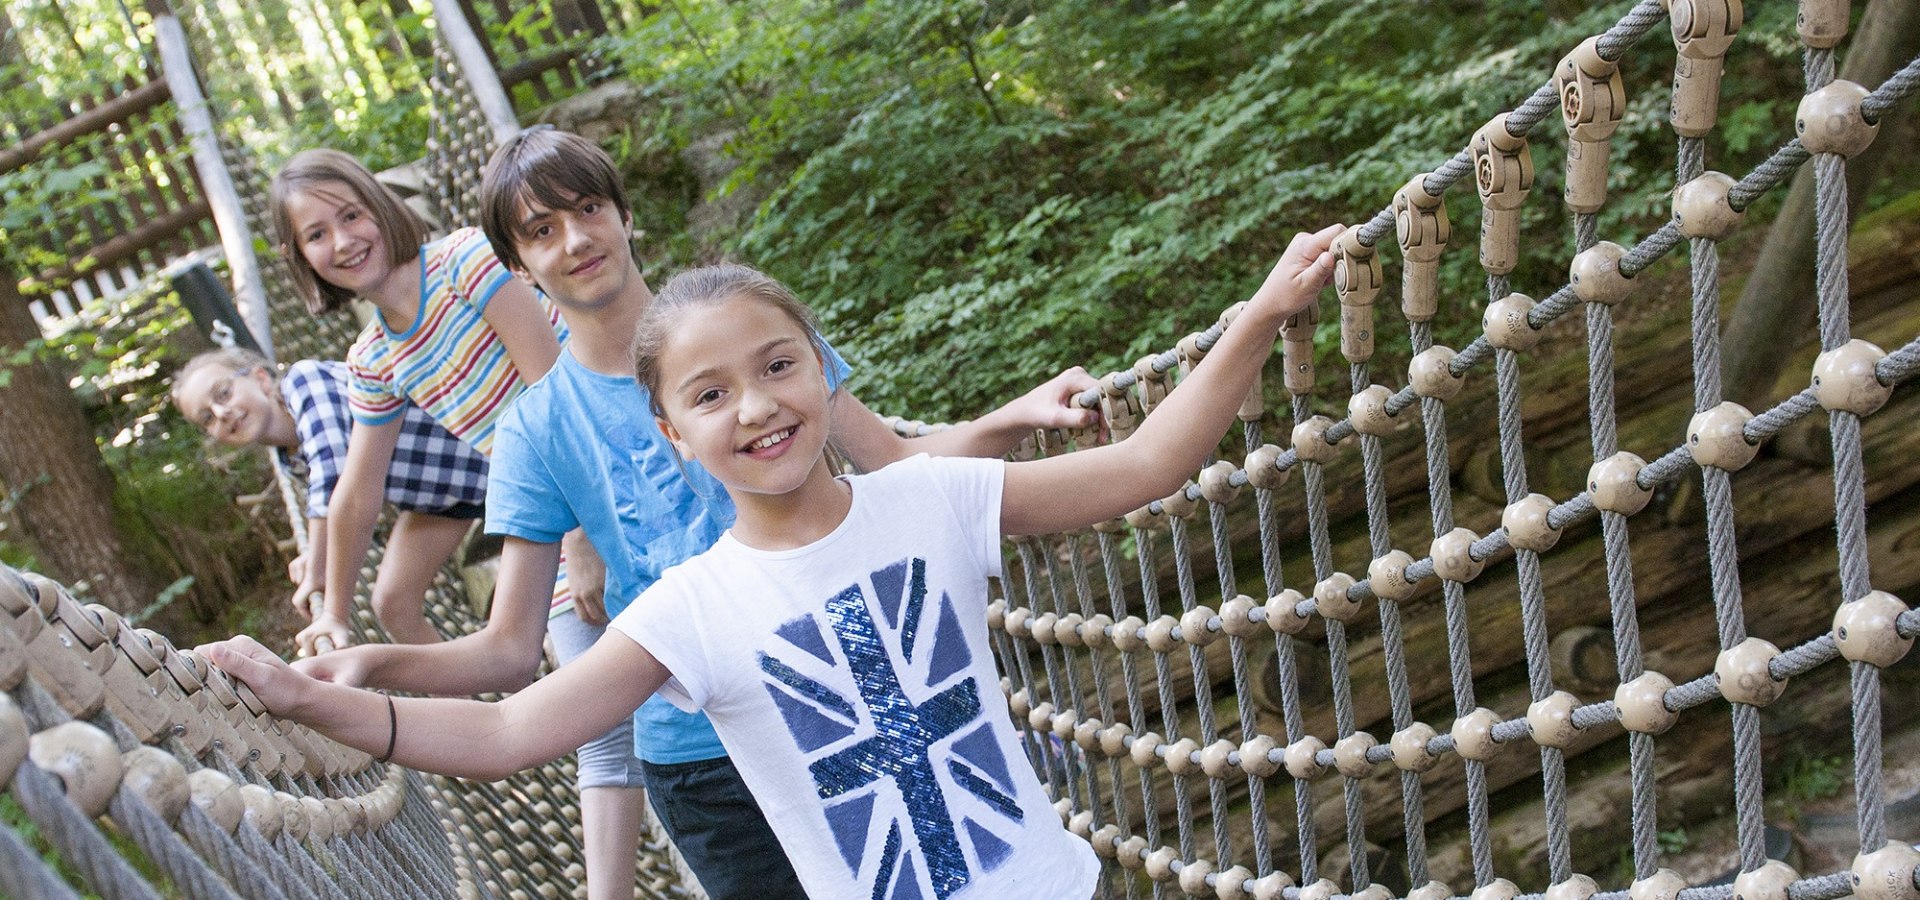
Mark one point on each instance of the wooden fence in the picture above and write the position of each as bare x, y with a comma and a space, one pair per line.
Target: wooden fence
128, 199
139, 203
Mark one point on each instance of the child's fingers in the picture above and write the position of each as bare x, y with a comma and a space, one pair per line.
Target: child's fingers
1075, 417
236, 658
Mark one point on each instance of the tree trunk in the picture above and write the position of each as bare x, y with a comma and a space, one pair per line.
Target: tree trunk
1778, 302
50, 467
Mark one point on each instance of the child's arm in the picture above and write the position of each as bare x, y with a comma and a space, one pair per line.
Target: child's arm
351, 513
1074, 490
463, 738
524, 329
504, 656
872, 444
308, 571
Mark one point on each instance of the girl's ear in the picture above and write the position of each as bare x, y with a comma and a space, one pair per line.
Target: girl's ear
263, 376
673, 437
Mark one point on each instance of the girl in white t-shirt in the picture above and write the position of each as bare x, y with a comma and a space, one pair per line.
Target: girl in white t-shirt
836, 636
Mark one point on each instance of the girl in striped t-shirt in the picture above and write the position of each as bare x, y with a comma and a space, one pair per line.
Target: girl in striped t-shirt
453, 332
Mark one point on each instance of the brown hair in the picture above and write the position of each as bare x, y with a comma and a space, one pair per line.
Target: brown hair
237, 360
310, 170
546, 166
698, 289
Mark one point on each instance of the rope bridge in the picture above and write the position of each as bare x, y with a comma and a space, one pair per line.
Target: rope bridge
146, 773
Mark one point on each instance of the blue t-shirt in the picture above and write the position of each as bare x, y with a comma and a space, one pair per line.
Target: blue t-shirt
641, 507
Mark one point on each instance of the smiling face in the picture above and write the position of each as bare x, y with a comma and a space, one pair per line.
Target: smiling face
579, 253
235, 408
744, 393
337, 236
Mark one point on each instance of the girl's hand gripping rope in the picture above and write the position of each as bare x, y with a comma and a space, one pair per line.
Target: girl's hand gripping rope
1294, 282
272, 680
1075, 490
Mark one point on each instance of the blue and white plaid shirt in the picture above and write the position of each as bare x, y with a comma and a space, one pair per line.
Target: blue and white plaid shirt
432, 471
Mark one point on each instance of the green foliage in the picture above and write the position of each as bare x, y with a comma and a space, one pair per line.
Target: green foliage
173, 507
14, 818
972, 192
1807, 775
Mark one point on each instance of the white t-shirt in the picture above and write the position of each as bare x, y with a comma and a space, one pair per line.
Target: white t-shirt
852, 683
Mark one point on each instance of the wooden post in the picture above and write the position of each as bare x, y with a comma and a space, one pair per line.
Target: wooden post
481, 78
228, 215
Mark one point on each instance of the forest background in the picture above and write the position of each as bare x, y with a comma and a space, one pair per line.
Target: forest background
973, 194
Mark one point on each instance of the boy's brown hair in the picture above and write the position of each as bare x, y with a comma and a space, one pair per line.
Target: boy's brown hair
549, 167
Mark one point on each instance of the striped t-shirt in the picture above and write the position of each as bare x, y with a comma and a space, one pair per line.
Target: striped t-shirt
450, 362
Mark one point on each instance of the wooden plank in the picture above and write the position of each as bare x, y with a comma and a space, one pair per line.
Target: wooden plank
531, 70
124, 246
145, 97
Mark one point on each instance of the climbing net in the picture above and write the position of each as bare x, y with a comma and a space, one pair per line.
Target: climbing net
1117, 693
139, 765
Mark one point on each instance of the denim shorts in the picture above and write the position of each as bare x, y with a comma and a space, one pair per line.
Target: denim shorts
608, 760
720, 832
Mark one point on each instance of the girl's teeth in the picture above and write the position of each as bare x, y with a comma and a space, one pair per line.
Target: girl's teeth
771, 440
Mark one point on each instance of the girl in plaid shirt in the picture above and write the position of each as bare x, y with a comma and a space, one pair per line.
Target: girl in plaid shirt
436, 481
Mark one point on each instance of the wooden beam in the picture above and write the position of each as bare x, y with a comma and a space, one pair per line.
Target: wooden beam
148, 235
534, 68
112, 112
216, 182
471, 53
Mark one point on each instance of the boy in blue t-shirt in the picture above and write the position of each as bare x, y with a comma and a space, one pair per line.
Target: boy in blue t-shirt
580, 449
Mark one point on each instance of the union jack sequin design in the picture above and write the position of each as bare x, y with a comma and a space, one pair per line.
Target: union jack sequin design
916, 788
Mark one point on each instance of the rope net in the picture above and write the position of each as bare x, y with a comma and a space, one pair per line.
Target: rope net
1178, 712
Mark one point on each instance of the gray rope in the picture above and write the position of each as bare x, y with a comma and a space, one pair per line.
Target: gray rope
1003, 649
1038, 745
1321, 546
1723, 558
1393, 645
1849, 476
1883, 99
158, 841
24, 874
1163, 680
1056, 778
1136, 705
1060, 687
1533, 615
1286, 671
1459, 655
74, 836
1103, 697
1202, 690
253, 876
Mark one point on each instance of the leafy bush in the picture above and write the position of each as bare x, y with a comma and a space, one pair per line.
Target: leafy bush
971, 193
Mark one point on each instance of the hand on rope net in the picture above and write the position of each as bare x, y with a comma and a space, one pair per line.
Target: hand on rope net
108, 732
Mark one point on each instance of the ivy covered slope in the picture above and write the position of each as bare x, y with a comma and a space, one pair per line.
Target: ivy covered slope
975, 193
